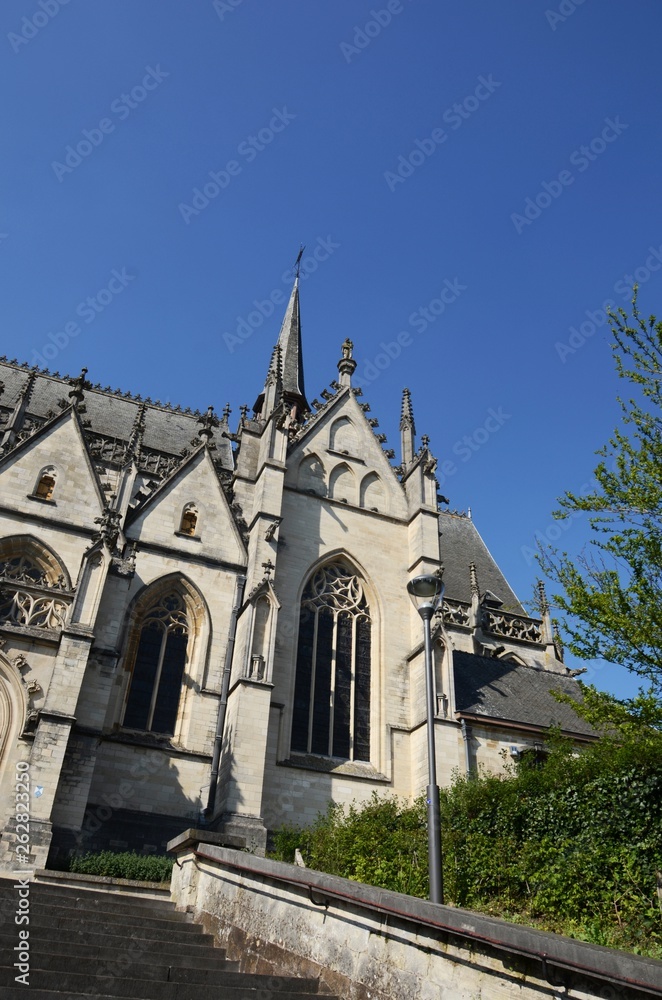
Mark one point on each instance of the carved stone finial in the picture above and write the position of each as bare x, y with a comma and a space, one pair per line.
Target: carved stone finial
243, 412
268, 568
226, 413
347, 364
209, 421
78, 387
134, 445
473, 577
425, 441
542, 598
109, 527
407, 414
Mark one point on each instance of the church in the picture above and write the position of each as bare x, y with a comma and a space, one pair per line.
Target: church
205, 625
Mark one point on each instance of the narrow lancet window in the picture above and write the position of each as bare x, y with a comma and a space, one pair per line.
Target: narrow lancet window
332, 691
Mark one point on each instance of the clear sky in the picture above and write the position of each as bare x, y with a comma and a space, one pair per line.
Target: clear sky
474, 178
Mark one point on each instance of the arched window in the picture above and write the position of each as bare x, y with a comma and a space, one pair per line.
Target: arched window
189, 521
158, 667
332, 689
32, 582
45, 486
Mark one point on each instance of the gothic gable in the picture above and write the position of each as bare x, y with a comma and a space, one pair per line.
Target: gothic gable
339, 456
51, 474
189, 513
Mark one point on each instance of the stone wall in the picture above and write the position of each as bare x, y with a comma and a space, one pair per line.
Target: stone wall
369, 944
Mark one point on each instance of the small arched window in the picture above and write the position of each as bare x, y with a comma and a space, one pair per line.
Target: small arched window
189, 522
158, 668
332, 690
45, 487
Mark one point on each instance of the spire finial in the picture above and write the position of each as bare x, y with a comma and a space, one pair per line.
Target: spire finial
78, 386
226, 413
209, 421
407, 415
347, 364
473, 578
136, 437
407, 430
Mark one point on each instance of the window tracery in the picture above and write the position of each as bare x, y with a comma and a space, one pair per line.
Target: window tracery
332, 689
158, 667
22, 599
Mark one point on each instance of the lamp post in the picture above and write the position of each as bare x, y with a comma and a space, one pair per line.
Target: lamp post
426, 593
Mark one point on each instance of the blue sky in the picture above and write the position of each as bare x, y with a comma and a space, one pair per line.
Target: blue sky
475, 178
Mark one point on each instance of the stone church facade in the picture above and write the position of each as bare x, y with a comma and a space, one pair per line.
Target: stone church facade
202, 626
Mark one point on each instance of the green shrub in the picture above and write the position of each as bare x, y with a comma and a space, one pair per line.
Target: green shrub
139, 867
572, 846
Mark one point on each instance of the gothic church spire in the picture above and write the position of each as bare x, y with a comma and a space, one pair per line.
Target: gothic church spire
290, 351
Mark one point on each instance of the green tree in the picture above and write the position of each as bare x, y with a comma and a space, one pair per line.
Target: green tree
612, 593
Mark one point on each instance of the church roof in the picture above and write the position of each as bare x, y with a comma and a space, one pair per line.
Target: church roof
498, 689
460, 546
169, 430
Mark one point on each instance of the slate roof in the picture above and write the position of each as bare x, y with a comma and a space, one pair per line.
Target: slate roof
111, 413
461, 545
498, 689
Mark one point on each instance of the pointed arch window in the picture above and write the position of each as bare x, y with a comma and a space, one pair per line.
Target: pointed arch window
158, 667
33, 589
332, 689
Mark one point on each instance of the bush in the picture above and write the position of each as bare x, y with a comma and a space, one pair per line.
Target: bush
139, 867
571, 846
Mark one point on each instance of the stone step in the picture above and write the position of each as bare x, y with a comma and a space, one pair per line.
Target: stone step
144, 989
115, 924
41, 890
162, 971
67, 943
91, 900
108, 956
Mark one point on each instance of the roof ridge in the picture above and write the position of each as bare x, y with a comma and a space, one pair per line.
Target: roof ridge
55, 376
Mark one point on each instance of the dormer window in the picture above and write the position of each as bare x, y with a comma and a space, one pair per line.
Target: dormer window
45, 487
189, 522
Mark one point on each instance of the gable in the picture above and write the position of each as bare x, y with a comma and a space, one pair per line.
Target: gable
160, 520
340, 457
59, 452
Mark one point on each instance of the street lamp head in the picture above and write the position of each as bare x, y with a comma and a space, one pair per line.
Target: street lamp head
426, 592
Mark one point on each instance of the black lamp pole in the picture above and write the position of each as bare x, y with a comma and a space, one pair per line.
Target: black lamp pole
426, 592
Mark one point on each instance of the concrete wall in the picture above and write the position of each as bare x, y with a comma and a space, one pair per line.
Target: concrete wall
369, 944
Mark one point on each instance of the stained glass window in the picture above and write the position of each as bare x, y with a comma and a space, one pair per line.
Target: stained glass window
158, 668
332, 689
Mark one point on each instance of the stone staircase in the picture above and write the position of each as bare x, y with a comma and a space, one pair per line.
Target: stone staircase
100, 943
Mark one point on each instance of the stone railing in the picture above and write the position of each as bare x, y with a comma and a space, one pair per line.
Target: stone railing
510, 626
371, 944
31, 608
456, 613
